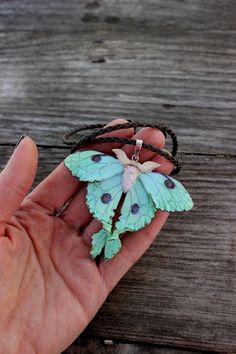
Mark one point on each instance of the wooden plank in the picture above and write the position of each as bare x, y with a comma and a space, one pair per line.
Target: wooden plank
95, 346
66, 63
183, 290
52, 82
61, 16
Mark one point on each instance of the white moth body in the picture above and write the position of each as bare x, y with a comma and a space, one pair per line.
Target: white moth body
129, 177
132, 169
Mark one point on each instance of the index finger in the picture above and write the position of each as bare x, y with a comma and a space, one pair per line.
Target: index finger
60, 186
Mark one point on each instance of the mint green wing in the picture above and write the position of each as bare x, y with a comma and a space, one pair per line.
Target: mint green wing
167, 193
91, 165
109, 241
98, 242
102, 199
137, 211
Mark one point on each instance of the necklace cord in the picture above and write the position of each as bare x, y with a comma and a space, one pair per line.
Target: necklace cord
99, 129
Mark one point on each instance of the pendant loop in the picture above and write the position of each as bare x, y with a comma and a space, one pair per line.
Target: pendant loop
137, 150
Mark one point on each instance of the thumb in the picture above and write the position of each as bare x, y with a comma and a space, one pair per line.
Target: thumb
16, 179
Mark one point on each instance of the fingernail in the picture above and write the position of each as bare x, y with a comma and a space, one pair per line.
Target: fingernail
23, 135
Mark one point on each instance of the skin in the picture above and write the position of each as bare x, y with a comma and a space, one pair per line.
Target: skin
50, 287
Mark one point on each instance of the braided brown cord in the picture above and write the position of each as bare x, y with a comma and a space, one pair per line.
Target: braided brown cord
100, 129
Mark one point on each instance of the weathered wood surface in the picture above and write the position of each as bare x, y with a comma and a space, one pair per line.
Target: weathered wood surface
64, 63
183, 291
100, 347
53, 82
67, 16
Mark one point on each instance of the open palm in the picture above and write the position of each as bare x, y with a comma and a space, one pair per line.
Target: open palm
50, 286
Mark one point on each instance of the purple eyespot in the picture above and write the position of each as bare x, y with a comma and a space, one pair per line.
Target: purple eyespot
106, 198
96, 158
169, 184
134, 208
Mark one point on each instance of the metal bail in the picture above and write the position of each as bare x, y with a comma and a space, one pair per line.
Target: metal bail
137, 150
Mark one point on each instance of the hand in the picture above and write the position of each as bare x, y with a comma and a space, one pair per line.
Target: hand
50, 286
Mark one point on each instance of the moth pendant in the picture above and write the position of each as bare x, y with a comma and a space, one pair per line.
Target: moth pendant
144, 193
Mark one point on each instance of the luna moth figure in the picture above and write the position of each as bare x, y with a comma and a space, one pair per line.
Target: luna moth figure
144, 192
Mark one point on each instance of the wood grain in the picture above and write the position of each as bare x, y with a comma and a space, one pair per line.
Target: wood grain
95, 346
65, 63
63, 16
183, 291
52, 82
